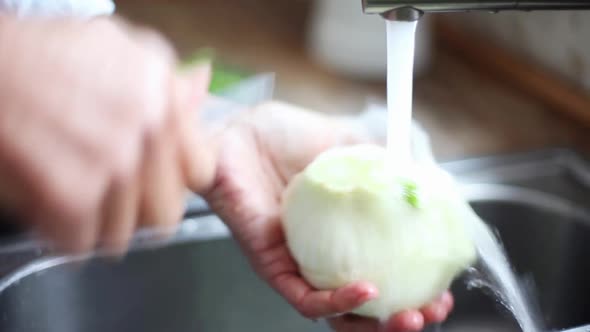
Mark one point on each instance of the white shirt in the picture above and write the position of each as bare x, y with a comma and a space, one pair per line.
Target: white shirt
49, 8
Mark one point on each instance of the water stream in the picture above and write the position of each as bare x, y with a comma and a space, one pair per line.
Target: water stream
496, 273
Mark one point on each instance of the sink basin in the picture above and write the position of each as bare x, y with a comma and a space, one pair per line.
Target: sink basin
206, 286
548, 248
536, 201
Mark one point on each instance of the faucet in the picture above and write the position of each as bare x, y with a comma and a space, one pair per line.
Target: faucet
412, 10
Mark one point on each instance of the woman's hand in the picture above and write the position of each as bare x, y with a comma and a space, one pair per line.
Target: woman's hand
261, 150
410, 320
97, 130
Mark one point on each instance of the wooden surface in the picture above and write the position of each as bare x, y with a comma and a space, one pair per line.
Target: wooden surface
465, 112
520, 74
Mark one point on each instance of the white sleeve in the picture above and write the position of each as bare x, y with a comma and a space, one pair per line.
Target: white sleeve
53, 8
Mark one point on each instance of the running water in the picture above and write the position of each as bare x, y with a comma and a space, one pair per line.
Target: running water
400, 76
497, 273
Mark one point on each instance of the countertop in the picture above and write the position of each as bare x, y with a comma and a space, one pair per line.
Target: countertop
465, 113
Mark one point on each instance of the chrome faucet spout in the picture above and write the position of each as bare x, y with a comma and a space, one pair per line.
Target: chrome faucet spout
407, 14
408, 10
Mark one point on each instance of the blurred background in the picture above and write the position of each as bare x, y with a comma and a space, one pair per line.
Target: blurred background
486, 83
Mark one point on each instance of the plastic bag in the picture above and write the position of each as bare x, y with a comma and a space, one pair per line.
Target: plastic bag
54, 8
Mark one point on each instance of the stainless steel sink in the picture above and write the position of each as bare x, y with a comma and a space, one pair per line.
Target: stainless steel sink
539, 204
536, 201
548, 248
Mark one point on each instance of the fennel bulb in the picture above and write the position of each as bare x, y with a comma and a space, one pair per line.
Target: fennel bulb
347, 218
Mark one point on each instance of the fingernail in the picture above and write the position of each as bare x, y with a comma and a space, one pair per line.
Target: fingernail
368, 294
447, 300
415, 320
439, 313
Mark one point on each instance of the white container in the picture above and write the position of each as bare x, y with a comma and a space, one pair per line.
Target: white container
344, 39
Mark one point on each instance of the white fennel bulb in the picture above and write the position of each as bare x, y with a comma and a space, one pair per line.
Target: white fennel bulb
347, 218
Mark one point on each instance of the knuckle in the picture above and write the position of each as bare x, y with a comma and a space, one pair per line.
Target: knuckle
158, 57
105, 27
71, 212
150, 134
151, 99
124, 163
155, 43
76, 203
118, 155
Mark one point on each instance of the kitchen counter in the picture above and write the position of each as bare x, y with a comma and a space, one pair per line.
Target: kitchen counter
465, 113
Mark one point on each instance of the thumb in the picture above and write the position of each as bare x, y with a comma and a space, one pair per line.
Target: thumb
198, 153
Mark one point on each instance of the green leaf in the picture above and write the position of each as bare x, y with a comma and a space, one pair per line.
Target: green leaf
223, 76
411, 194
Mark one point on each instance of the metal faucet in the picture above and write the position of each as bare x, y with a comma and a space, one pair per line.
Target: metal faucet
412, 10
